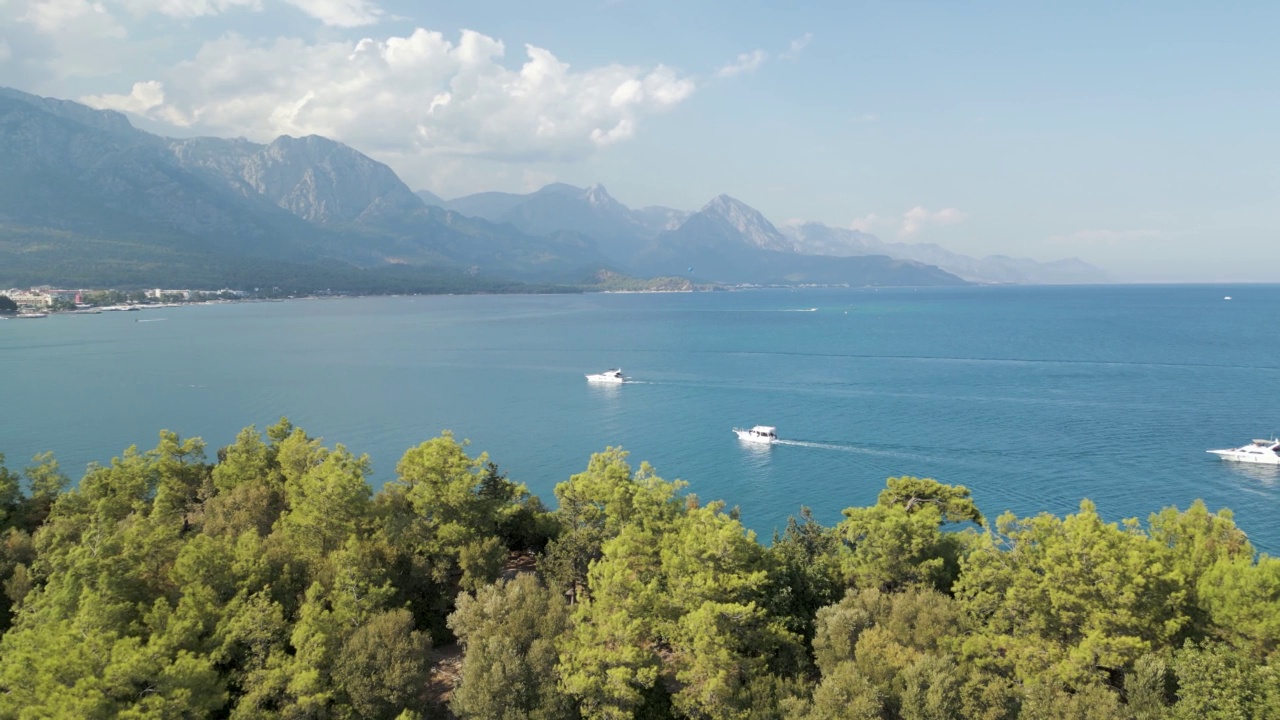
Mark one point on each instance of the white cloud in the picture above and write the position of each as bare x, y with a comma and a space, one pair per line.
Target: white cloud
745, 63
797, 46
59, 16
917, 218
143, 97
5, 51
62, 38
866, 118
51, 16
867, 223
408, 97
186, 8
1105, 237
340, 13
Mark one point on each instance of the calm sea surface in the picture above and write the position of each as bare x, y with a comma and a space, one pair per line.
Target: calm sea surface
1032, 397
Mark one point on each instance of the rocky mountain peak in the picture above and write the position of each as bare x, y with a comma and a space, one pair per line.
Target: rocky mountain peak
323, 181
598, 195
746, 221
109, 121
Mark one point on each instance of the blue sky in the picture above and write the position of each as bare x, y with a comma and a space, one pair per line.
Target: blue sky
1138, 136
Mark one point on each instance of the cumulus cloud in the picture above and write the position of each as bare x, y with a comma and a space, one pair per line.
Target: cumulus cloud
917, 218
143, 97
146, 98
408, 96
797, 46
745, 63
1105, 237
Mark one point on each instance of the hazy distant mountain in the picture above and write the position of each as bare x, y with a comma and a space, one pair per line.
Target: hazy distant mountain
490, 206
628, 236
592, 211
728, 241
98, 177
618, 231
656, 218
108, 121
83, 194
730, 217
430, 198
314, 178
816, 238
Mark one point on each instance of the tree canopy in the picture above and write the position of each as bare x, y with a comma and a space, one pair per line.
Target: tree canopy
271, 581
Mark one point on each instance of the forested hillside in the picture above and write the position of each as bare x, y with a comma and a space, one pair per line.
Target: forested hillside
267, 579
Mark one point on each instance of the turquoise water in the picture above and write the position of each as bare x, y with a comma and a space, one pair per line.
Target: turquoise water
1032, 397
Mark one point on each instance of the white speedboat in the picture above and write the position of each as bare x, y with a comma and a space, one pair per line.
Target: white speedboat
759, 434
608, 376
1266, 452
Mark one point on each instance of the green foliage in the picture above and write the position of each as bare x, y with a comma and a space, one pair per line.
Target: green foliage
913, 494
846, 694
1242, 599
595, 505
130, 258
1149, 688
510, 630
806, 560
899, 541
1047, 700
266, 585
1217, 682
382, 666
1075, 598
273, 583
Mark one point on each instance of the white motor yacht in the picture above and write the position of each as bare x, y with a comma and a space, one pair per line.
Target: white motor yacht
1266, 452
608, 376
759, 434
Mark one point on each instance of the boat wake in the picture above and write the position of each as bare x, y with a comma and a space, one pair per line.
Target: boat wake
831, 446
842, 447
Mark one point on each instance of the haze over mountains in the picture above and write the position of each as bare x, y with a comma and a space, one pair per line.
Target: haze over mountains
593, 212
86, 199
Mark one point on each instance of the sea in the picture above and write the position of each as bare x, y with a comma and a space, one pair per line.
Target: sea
1032, 397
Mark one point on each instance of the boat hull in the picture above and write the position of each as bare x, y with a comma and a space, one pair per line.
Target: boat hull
605, 379
1255, 458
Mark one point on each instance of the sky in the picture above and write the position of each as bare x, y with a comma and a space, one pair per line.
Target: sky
1138, 136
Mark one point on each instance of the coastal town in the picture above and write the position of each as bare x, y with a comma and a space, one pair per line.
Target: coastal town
38, 302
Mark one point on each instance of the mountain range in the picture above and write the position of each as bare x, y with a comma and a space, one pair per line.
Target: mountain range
643, 238
88, 200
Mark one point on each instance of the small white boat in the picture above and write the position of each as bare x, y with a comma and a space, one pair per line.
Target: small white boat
608, 376
758, 434
1265, 452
